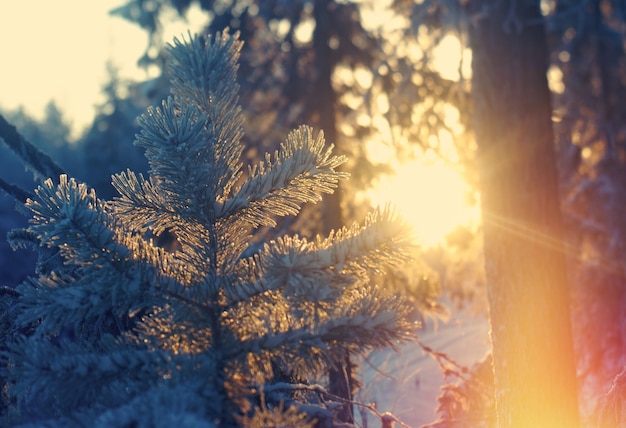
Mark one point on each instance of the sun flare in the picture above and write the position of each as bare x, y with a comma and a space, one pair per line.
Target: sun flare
431, 196
428, 192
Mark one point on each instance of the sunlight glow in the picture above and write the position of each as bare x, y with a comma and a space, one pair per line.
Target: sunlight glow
54, 55
428, 192
555, 79
430, 196
451, 59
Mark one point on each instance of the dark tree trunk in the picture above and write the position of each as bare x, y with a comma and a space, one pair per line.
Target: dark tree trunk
324, 100
535, 382
340, 376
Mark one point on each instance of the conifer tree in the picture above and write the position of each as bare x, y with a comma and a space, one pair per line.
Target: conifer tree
220, 329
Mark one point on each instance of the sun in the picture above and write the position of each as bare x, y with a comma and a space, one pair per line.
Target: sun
429, 195
428, 192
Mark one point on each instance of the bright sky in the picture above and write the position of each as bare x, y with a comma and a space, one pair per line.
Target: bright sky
59, 50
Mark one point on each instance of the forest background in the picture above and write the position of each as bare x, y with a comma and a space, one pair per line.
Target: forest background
382, 96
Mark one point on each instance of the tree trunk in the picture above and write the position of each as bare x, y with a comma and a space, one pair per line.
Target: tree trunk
324, 101
339, 376
525, 263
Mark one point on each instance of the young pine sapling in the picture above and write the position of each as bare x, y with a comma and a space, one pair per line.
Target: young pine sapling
119, 331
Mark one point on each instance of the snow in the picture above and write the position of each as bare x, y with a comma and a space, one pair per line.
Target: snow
407, 383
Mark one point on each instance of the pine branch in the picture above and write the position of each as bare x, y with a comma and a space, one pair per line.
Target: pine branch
367, 330
325, 267
178, 405
8, 291
63, 376
99, 276
142, 204
192, 141
241, 292
35, 159
300, 172
204, 70
382, 240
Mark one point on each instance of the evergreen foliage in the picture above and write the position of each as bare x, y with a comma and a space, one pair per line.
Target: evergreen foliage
215, 330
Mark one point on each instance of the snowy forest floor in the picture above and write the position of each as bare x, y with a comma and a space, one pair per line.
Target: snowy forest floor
407, 383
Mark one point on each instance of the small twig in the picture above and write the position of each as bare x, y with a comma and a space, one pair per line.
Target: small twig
386, 418
441, 423
445, 361
17, 192
9, 291
377, 370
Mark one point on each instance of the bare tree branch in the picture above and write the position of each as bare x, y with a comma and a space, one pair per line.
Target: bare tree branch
35, 159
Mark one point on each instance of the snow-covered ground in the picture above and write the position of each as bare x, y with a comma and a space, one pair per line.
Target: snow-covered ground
407, 384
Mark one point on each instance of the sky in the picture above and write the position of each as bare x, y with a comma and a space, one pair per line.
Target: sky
59, 50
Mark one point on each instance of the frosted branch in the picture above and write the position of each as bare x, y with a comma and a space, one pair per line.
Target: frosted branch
301, 171
35, 159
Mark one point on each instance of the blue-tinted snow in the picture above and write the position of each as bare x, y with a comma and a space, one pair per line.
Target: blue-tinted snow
407, 384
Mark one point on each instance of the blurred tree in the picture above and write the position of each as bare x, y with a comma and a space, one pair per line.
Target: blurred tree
524, 250
107, 146
589, 69
430, 80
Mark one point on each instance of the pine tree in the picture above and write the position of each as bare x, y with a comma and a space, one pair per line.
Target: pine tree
220, 328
